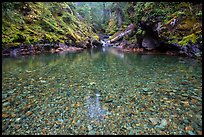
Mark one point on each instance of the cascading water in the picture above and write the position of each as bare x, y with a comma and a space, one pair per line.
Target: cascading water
105, 42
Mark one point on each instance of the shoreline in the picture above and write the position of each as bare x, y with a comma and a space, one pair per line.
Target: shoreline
19, 51
35, 50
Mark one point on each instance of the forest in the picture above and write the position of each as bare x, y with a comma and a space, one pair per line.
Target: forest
101, 68
171, 27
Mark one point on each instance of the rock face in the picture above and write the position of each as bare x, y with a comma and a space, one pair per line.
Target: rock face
175, 33
96, 43
190, 50
183, 30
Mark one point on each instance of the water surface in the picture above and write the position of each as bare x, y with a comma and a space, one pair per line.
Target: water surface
101, 92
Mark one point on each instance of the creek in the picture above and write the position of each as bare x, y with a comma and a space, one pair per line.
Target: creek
63, 93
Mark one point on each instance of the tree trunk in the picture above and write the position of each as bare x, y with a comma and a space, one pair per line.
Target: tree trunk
120, 17
104, 13
127, 32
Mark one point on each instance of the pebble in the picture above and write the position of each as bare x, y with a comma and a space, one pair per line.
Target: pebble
42, 81
11, 91
199, 132
4, 96
90, 127
154, 121
6, 104
92, 132
78, 122
44, 131
184, 83
162, 125
131, 133
29, 113
4, 127
18, 119
150, 126
188, 128
13, 115
67, 108
30, 97
151, 109
28, 71
17, 126
5, 115
175, 126
109, 101
58, 122
163, 122
68, 93
197, 98
191, 133
185, 121
193, 101
42, 112
145, 89
92, 83
185, 103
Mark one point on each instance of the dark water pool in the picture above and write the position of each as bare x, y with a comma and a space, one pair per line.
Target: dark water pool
101, 92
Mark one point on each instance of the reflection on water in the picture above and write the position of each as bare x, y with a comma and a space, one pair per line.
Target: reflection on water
113, 51
94, 109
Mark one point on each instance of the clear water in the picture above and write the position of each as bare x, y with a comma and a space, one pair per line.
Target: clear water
111, 91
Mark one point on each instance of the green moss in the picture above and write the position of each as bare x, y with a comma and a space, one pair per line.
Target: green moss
199, 14
186, 39
42, 20
96, 37
139, 32
14, 44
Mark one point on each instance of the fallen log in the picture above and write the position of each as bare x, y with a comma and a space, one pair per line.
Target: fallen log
127, 32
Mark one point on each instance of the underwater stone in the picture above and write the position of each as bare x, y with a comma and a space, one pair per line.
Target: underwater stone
191, 133
145, 89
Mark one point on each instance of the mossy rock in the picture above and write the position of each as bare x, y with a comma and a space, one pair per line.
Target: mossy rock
187, 24
96, 37
16, 44
140, 32
188, 38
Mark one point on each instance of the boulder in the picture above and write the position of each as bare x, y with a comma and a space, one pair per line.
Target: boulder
96, 43
123, 44
190, 50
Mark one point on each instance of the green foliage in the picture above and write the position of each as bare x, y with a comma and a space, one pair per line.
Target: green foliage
29, 22
186, 39
10, 12
152, 10
199, 14
92, 13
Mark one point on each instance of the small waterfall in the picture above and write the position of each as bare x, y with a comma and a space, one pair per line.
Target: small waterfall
106, 42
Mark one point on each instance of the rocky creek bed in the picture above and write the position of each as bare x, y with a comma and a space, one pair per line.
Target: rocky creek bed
100, 93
